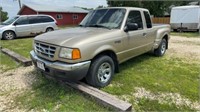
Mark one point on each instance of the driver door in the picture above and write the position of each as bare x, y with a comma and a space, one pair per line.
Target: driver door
22, 27
135, 38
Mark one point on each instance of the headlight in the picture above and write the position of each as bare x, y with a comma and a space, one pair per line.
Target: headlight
70, 53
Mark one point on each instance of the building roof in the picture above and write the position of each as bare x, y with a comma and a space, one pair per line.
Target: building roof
186, 7
45, 8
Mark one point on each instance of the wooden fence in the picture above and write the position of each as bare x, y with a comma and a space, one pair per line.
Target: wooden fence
161, 20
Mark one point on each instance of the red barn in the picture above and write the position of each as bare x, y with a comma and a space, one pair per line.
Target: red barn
63, 15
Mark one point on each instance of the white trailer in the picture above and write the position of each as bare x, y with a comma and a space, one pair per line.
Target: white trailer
185, 18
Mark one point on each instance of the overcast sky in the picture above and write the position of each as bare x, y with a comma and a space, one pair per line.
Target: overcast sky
12, 6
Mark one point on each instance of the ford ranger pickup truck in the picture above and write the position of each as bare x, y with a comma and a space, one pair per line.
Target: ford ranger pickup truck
104, 39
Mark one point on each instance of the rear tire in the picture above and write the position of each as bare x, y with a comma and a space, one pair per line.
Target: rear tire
160, 51
101, 72
9, 35
49, 29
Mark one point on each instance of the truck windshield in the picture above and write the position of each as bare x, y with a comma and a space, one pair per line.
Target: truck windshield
104, 18
9, 21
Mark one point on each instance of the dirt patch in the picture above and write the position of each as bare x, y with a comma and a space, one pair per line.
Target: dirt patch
2, 67
14, 83
166, 98
188, 48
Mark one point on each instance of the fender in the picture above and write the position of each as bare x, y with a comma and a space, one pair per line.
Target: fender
102, 49
159, 36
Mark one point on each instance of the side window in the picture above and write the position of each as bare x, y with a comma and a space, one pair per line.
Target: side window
59, 16
148, 19
45, 19
34, 19
75, 16
48, 19
135, 17
22, 21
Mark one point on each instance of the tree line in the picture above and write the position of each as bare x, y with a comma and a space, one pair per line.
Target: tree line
3, 15
156, 8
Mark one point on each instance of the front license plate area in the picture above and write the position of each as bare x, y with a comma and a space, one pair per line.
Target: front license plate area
40, 65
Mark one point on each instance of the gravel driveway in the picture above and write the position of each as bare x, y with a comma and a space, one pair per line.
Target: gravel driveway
14, 82
188, 48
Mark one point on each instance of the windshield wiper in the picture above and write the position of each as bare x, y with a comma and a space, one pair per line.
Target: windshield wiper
99, 26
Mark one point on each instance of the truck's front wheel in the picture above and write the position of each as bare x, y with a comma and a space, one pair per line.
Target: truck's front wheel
101, 72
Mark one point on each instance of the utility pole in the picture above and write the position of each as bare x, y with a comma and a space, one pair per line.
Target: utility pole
20, 5
0, 16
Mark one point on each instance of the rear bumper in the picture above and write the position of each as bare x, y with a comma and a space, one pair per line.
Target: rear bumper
62, 70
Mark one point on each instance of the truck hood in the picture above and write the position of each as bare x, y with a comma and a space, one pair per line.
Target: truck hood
69, 37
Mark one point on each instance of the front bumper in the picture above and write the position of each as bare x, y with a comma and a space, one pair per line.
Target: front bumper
62, 70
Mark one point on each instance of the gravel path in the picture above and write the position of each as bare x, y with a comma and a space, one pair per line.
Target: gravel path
14, 82
183, 47
166, 98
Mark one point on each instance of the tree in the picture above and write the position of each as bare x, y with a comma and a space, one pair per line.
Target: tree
3, 15
157, 8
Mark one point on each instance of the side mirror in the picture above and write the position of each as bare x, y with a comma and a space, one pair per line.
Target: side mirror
131, 27
16, 23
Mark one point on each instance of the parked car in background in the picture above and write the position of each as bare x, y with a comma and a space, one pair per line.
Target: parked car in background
185, 18
26, 25
106, 37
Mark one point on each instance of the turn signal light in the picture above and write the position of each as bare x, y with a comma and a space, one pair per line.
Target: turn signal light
76, 54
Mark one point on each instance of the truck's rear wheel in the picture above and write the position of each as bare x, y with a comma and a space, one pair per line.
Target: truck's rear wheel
101, 72
160, 51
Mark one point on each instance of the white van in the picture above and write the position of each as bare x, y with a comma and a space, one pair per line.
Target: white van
185, 18
26, 25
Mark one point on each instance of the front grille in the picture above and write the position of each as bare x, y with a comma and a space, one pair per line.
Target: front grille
45, 49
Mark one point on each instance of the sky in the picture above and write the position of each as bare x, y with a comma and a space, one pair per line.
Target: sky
12, 6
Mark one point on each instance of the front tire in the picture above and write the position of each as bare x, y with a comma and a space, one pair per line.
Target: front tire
8, 35
101, 72
160, 51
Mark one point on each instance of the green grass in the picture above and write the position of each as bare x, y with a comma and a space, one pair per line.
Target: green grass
51, 96
186, 34
154, 105
21, 46
157, 74
7, 63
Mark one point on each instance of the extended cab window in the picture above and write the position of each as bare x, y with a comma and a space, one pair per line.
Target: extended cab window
135, 17
22, 21
148, 19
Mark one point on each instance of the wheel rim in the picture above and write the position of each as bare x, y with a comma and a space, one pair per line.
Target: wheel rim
163, 47
49, 29
104, 72
9, 35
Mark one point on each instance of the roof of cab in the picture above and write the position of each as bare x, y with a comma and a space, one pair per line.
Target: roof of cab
127, 8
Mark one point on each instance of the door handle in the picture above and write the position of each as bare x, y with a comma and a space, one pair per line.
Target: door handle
144, 34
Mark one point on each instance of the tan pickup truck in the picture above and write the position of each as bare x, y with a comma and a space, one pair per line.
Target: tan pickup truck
104, 39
